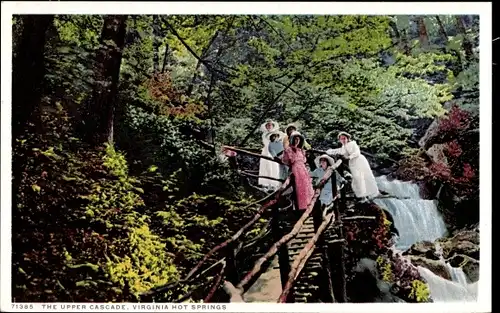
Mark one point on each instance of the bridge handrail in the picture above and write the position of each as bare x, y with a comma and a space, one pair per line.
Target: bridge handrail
277, 195
303, 257
297, 227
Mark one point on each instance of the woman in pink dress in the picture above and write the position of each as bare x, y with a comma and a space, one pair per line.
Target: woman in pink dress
294, 156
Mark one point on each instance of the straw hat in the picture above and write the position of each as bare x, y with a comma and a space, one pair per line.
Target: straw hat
280, 134
344, 134
297, 134
275, 124
328, 159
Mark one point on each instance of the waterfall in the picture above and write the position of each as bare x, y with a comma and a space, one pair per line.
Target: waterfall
457, 274
419, 220
415, 218
444, 290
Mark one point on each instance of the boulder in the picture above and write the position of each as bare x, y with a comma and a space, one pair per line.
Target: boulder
436, 153
419, 126
435, 266
458, 212
461, 250
465, 242
430, 134
467, 248
469, 265
425, 249
466, 235
471, 269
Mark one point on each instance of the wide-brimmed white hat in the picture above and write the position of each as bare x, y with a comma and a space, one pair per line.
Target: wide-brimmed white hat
295, 125
297, 134
328, 158
344, 134
276, 126
280, 134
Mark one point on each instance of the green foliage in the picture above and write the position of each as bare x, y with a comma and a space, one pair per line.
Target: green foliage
385, 268
467, 83
70, 55
191, 222
138, 259
420, 291
379, 116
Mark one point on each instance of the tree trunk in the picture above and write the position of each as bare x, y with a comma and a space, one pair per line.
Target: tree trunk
107, 72
442, 30
165, 59
198, 64
422, 32
156, 45
401, 38
28, 70
466, 43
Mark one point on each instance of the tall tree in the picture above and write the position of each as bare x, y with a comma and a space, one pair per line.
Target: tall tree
400, 37
466, 43
442, 30
156, 44
28, 70
422, 32
107, 71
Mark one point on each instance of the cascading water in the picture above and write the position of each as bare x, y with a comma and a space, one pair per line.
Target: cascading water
415, 218
418, 220
444, 290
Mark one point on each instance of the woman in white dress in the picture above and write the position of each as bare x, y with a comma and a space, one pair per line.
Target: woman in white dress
363, 182
268, 168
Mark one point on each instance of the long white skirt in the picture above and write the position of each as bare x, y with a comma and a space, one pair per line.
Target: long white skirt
270, 169
363, 181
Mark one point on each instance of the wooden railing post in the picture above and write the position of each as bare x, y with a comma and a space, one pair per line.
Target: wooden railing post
342, 203
317, 215
278, 232
342, 279
232, 274
343, 287
326, 287
335, 192
329, 294
337, 253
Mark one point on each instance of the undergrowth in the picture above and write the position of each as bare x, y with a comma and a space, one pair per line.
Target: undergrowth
86, 230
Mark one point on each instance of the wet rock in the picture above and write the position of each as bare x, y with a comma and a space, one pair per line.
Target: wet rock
424, 248
469, 265
466, 235
461, 250
435, 266
463, 247
471, 269
385, 171
464, 242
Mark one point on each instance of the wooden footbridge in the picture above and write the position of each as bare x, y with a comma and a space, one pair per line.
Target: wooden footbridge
297, 257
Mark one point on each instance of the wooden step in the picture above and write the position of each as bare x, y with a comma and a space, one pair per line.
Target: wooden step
294, 252
300, 241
